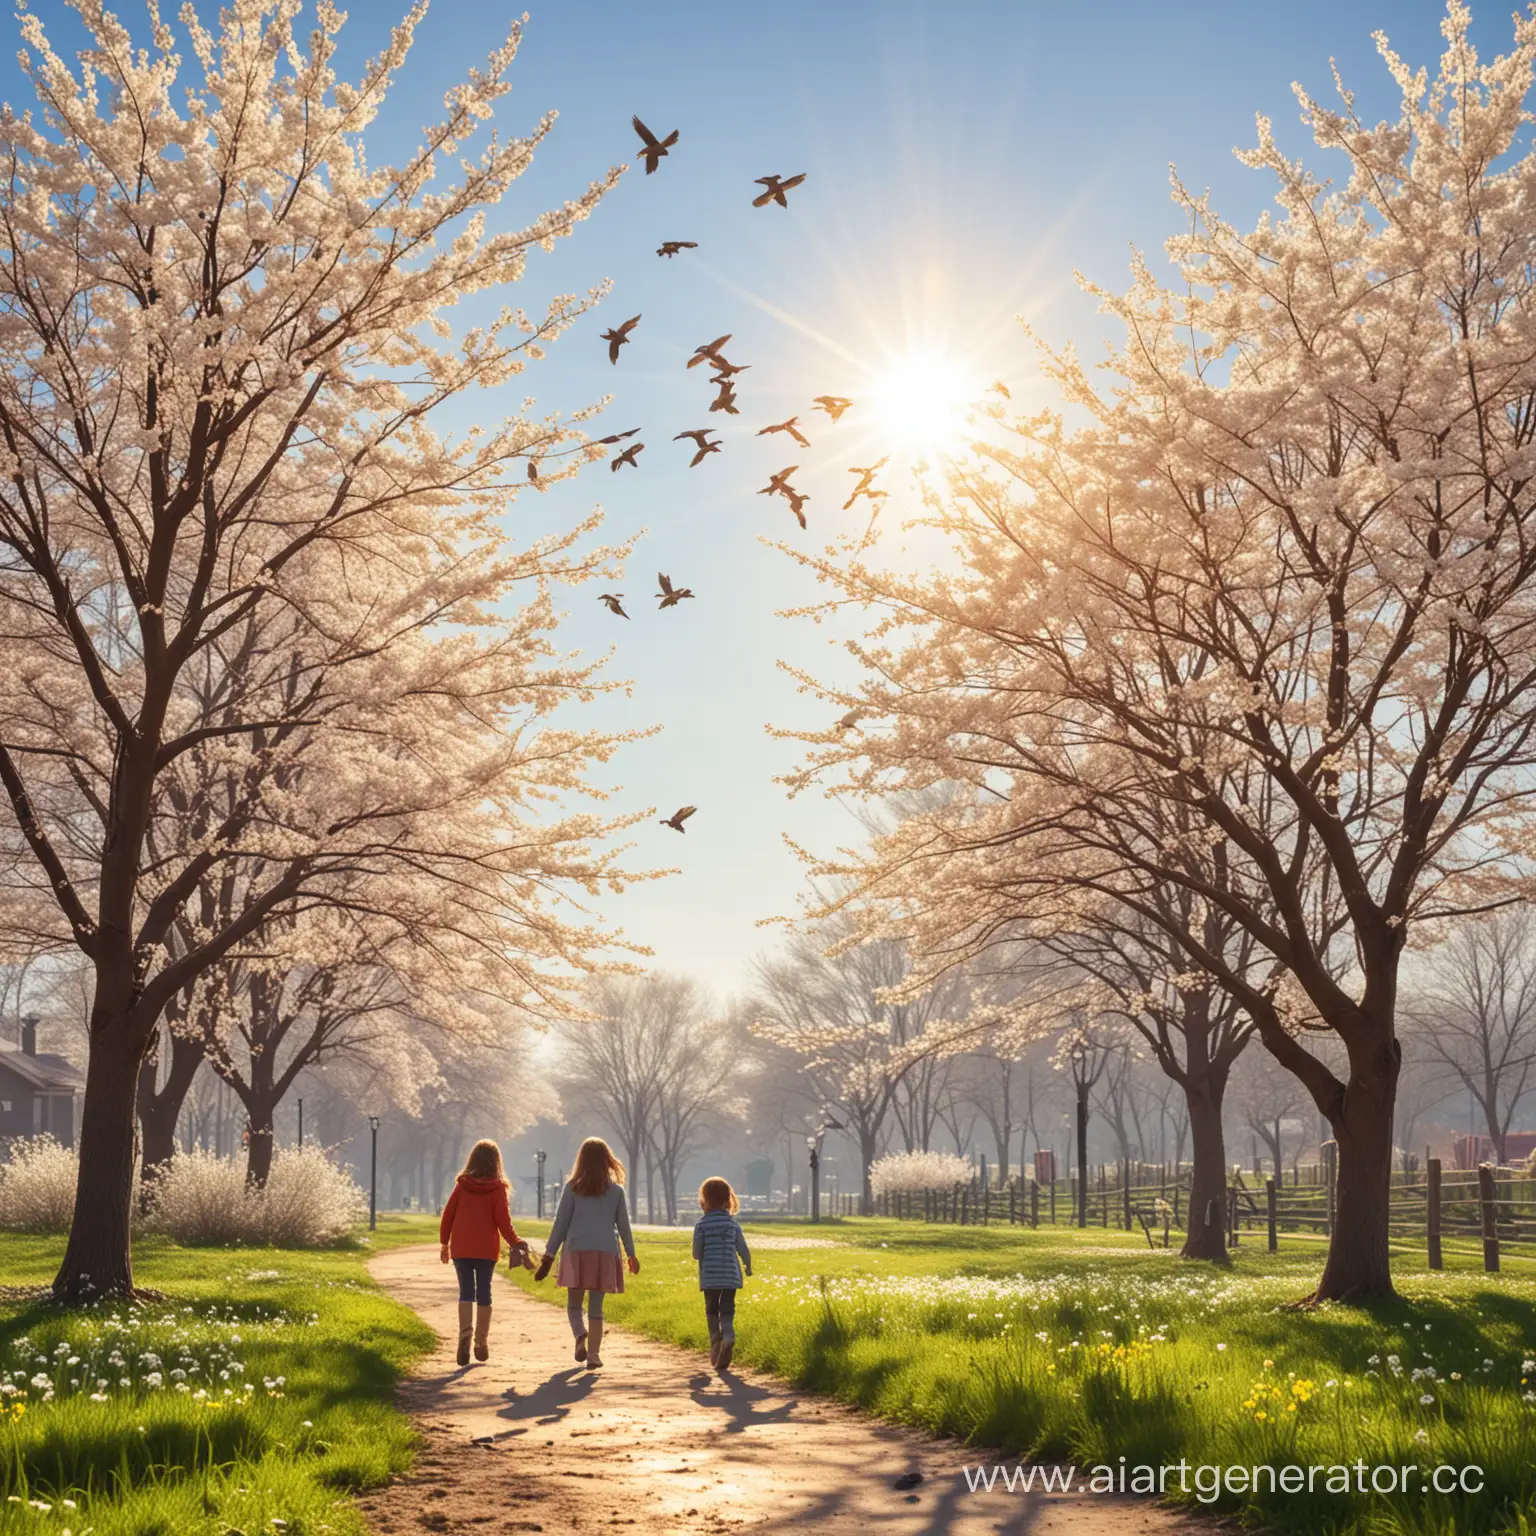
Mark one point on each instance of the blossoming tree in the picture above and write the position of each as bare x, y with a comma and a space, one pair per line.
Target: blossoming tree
1280, 579
843, 1005
265, 627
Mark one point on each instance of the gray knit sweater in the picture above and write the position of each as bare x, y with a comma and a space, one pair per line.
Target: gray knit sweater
586, 1223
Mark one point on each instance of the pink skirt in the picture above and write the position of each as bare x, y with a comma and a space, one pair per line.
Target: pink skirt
590, 1269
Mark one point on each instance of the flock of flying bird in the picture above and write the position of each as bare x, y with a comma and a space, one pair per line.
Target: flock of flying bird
723, 375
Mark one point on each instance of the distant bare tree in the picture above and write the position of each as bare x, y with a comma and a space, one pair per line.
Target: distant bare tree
1119, 1102
1475, 1014
1267, 1098
607, 1069
652, 1066
694, 1083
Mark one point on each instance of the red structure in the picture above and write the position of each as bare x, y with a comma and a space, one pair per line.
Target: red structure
1471, 1151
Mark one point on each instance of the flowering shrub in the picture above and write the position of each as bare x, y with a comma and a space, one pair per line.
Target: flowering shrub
917, 1171
308, 1202
37, 1186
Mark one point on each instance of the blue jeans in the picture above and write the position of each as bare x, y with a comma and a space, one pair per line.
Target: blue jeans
475, 1279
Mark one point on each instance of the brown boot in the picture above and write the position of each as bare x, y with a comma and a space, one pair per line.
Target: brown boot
483, 1333
594, 1343
466, 1325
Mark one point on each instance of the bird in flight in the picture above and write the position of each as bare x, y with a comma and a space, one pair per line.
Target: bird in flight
610, 600
618, 437
724, 369
726, 399
619, 338
790, 427
678, 817
777, 187
709, 352
700, 436
866, 482
653, 149
672, 247
833, 405
850, 721
630, 456
671, 596
778, 484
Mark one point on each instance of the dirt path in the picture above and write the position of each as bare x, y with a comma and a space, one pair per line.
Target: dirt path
659, 1443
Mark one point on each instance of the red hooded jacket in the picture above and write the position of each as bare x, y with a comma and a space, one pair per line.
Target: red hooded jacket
476, 1212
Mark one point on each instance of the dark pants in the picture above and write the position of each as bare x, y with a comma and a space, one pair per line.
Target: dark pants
720, 1312
475, 1279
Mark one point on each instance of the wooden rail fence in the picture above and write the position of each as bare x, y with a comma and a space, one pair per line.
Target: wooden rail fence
1492, 1205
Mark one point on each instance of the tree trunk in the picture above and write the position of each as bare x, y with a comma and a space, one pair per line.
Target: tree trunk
869, 1147
1359, 1263
258, 1152
159, 1111
1275, 1139
98, 1260
1082, 1155
1206, 1229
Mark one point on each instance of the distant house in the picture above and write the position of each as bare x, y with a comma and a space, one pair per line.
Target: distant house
37, 1092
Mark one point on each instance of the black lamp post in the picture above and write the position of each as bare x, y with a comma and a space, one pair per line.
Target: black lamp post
813, 1143
1080, 1080
538, 1158
301, 1125
373, 1176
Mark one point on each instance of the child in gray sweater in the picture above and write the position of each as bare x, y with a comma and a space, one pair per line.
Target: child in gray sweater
593, 1212
724, 1262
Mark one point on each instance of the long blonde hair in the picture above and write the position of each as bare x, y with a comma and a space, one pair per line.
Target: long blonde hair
483, 1162
595, 1168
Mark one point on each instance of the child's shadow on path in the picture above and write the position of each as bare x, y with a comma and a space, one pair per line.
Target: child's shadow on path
549, 1402
739, 1398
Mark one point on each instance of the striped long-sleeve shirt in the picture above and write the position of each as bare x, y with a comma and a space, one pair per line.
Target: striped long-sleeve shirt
717, 1242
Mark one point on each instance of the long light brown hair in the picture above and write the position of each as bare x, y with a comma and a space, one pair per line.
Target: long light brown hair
483, 1162
595, 1168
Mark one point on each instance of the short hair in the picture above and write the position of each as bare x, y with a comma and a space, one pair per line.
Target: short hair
716, 1194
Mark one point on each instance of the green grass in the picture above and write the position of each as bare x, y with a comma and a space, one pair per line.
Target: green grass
398, 1229
296, 1355
1085, 1346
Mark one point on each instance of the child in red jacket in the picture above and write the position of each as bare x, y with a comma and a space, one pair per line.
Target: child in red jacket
475, 1220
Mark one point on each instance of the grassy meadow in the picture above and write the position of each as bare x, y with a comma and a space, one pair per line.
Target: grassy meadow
251, 1400
257, 1395
1087, 1347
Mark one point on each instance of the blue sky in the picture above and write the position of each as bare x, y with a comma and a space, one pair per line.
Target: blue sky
962, 160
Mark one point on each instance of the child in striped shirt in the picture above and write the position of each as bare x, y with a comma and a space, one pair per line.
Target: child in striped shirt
724, 1261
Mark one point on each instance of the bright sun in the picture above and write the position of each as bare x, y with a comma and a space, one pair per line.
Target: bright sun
921, 402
